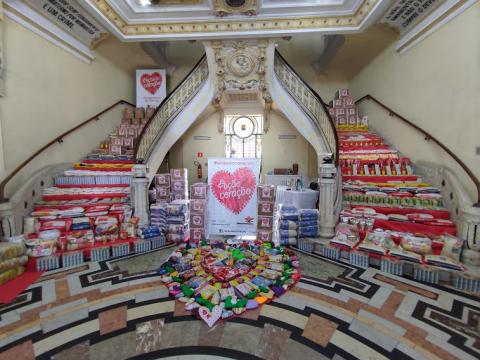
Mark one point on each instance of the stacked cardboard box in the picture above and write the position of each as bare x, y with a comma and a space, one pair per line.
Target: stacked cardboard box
179, 184
122, 140
198, 212
266, 205
344, 112
162, 188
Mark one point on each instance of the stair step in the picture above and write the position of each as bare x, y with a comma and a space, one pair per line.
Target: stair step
88, 186
83, 196
437, 214
382, 178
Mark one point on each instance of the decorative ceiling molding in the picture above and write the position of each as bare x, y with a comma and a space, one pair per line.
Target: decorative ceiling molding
233, 27
228, 7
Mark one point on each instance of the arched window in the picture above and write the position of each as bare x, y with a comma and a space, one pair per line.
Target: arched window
243, 135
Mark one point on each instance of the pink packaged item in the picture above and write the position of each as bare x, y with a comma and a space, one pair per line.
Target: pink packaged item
342, 93
266, 193
139, 113
117, 140
265, 222
197, 220
197, 234
338, 103
115, 149
264, 235
162, 180
341, 120
178, 186
128, 113
162, 192
128, 141
197, 206
349, 101
265, 208
352, 120
339, 111
62, 225
351, 111
198, 191
179, 174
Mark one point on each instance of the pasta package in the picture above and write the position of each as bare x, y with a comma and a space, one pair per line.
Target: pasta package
11, 250
13, 263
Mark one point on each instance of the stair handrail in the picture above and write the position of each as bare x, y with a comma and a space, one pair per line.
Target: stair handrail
428, 137
326, 127
169, 108
59, 140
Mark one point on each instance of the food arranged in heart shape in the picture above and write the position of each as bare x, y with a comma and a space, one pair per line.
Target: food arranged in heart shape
220, 280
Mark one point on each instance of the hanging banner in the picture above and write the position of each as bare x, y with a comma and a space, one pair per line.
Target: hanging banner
404, 14
71, 17
232, 199
151, 87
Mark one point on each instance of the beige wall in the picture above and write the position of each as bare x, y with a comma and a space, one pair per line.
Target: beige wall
48, 91
436, 85
276, 153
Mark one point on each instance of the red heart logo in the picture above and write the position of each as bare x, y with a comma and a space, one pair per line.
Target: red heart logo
235, 190
151, 82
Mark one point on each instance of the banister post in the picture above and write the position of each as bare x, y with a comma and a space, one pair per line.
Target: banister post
327, 173
139, 194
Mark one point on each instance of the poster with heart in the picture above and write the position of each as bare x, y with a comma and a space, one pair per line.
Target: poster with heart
151, 87
232, 199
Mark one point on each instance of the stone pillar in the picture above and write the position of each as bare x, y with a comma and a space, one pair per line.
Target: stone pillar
327, 191
139, 193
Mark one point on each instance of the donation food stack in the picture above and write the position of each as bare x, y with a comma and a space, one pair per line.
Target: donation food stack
89, 204
12, 261
198, 212
389, 211
266, 206
286, 225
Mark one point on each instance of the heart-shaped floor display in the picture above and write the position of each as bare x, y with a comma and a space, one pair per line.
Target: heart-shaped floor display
228, 277
151, 82
210, 317
234, 191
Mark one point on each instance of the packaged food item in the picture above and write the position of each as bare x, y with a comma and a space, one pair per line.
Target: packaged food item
13, 263
406, 255
452, 246
265, 208
419, 245
198, 191
62, 225
106, 228
266, 192
345, 235
40, 247
81, 223
11, 250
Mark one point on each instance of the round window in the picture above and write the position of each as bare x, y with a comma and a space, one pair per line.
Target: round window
243, 127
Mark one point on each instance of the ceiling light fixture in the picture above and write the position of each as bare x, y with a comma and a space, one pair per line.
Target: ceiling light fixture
145, 2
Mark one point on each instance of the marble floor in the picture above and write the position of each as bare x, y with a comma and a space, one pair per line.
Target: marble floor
119, 309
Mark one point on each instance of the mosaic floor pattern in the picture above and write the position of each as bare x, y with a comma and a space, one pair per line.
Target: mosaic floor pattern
119, 309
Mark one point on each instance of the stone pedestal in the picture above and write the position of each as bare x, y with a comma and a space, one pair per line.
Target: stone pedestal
327, 186
139, 193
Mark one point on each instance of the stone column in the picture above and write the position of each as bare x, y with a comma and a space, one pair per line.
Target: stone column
139, 193
327, 191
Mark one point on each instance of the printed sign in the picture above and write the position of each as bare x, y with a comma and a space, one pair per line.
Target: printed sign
71, 17
232, 200
404, 14
151, 87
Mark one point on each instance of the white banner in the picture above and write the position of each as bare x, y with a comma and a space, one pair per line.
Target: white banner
71, 17
151, 87
404, 14
232, 199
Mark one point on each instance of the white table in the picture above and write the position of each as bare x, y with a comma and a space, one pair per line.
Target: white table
285, 179
306, 199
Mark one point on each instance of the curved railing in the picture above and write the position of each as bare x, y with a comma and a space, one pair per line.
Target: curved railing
309, 101
170, 107
428, 137
58, 140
